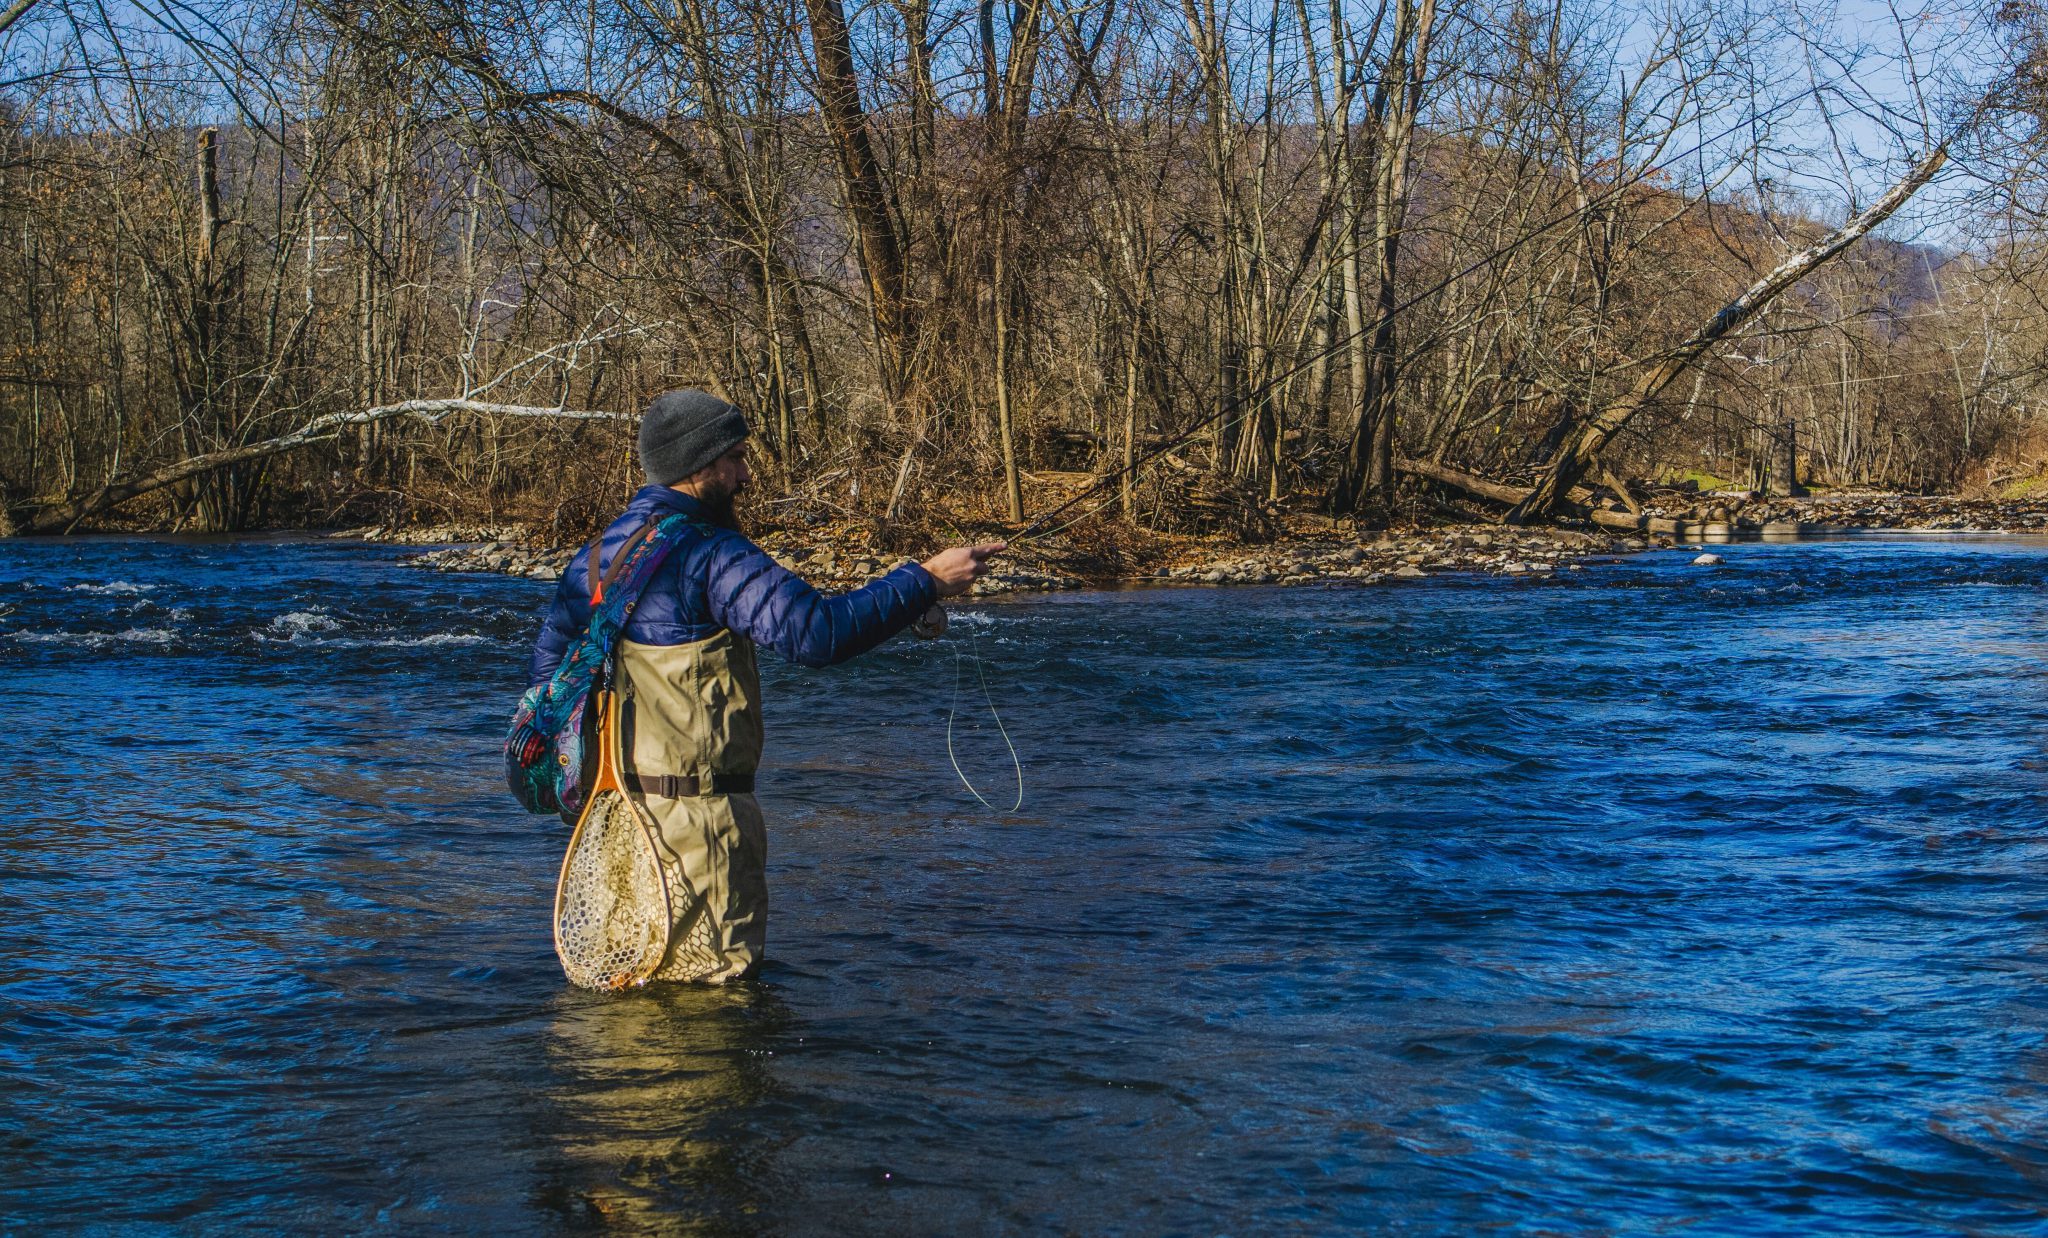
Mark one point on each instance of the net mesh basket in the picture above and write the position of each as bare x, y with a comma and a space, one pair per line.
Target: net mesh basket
693, 949
612, 905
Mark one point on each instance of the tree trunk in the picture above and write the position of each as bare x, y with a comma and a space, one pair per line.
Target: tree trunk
1013, 490
13, 13
1368, 472
867, 200
1130, 500
1785, 470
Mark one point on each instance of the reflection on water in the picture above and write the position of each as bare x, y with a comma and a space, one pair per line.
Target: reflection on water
1655, 898
646, 1093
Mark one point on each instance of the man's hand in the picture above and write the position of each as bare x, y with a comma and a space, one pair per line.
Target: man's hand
956, 569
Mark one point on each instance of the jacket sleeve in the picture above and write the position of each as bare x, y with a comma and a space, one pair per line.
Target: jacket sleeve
750, 592
567, 618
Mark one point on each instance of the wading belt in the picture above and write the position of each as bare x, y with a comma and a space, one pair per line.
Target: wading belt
685, 786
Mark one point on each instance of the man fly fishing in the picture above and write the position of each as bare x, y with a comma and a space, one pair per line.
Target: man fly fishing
686, 669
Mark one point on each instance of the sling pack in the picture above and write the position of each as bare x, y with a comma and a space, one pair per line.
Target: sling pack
547, 762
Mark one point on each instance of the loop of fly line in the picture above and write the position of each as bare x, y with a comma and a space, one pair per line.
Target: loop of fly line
953, 711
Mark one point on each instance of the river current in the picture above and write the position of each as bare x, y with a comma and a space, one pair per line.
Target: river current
1652, 899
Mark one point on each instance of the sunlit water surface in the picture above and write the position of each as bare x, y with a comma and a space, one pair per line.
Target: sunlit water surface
1654, 899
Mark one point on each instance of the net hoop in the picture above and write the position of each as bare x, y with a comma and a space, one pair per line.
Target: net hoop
603, 874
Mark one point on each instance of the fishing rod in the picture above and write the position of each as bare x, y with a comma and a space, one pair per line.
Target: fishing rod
1258, 395
1032, 530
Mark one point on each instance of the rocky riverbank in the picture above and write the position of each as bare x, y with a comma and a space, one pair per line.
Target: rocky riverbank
437, 534
1491, 549
838, 556
827, 566
1747, 511
833, 561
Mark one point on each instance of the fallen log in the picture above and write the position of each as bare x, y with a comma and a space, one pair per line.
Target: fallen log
1509, 495
1621, 490
1654, 524
1498, 491
1577, 454
64, 516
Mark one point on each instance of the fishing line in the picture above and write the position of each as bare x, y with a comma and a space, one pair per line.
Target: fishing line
953, 711
1230, 416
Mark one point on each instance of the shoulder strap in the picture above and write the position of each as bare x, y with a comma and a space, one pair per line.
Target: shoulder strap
597, 585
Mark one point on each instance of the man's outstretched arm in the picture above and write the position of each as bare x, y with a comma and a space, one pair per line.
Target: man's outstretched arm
751, 593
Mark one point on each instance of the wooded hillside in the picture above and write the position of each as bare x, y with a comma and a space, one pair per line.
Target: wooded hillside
935, 249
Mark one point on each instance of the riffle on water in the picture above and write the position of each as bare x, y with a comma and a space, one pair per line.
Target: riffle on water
1655, 899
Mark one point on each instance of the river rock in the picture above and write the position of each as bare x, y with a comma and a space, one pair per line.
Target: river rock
1709, 560
435, 534
1022, 580
1868, 510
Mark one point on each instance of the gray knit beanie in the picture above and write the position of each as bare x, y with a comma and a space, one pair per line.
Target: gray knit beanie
685, 430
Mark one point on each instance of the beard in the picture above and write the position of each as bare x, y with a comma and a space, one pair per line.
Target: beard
720, 508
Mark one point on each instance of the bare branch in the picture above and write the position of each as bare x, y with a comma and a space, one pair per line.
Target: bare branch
63, 517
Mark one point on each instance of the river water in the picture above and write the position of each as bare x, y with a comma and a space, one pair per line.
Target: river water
1656, 898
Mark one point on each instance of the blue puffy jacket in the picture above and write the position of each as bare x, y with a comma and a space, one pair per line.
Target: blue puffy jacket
718, 579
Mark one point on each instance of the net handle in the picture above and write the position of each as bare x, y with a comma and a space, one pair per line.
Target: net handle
609, 759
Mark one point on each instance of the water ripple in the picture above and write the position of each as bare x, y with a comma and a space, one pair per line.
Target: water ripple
1653, 899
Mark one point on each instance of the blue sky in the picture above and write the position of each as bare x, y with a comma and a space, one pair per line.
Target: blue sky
1854, 61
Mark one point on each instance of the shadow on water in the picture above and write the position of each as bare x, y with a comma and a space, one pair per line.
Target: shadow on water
1652, 898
